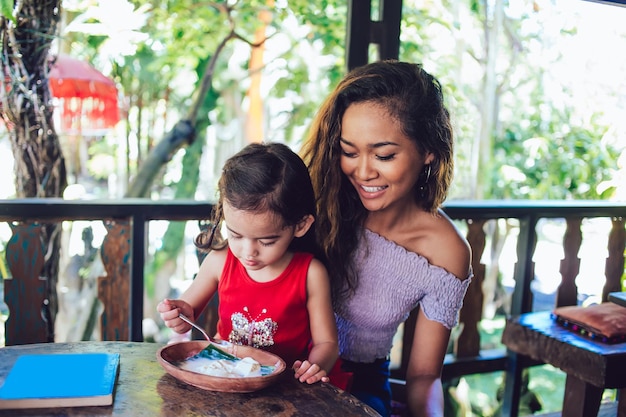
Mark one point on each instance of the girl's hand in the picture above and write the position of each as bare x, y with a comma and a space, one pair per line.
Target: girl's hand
169, 311
309, 372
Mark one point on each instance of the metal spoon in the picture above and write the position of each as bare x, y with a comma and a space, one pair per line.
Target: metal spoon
201, 330
195, 326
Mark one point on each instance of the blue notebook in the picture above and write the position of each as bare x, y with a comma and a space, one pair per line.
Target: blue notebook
60, 380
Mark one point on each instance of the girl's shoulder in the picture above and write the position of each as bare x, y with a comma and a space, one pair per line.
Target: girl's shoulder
317, 279
215, 260
317, 269
219, 254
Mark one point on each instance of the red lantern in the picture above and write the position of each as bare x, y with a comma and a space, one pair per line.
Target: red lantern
88, 99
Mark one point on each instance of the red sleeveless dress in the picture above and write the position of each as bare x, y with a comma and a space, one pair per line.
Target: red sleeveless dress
269, 315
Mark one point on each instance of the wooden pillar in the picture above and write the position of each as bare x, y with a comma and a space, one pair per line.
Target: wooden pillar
25, 290
614, 267
362, 31
468, 342
521, 303
209, 317
567, 293
114, 287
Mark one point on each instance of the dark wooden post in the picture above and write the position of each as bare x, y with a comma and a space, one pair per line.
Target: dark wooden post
521, 303
209, 317
25, 291
468, 342
361, 31
614, 268
114, 287
567, 293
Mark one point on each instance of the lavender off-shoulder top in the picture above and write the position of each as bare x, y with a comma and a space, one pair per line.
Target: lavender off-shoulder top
392, 282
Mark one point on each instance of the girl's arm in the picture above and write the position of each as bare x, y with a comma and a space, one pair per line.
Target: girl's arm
325, 350
197, 296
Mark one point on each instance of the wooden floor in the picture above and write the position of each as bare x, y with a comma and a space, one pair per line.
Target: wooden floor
608, 409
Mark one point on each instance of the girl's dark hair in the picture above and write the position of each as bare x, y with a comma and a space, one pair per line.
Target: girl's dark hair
410, 96
264, 177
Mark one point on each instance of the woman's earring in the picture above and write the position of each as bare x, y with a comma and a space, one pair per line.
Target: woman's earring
424, 186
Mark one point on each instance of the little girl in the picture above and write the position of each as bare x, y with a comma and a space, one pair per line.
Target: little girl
273, 294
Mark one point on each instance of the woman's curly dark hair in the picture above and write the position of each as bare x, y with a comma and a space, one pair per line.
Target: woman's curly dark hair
415, 99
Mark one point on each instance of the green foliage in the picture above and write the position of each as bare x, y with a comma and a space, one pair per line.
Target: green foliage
100, 159
6, 10
476, 6
550, 157
543, 385
326, 21
515, 138
174, 238
181, 32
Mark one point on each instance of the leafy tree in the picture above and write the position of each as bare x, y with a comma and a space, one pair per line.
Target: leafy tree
27, 29
514, 139
485, 54
181, 35
553, 159
227, 95
184, 39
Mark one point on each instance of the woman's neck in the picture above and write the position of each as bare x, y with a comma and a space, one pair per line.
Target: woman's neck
399, 217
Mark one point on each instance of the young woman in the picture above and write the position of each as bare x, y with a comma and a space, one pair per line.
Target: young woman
381, 161
272, 295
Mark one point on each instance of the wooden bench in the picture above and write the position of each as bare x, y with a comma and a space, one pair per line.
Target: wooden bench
590, 366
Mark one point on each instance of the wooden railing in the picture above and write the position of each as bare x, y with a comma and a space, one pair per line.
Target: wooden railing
123, 255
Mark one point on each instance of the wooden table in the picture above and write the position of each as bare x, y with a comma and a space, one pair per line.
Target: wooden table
145, 389
590, 366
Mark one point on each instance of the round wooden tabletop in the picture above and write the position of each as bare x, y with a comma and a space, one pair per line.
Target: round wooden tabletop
145, 389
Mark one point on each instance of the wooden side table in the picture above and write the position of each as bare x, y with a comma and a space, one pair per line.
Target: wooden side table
590, 366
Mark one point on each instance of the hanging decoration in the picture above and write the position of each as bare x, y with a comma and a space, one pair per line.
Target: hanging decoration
87, 98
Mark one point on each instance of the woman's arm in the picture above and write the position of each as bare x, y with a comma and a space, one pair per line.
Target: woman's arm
424, 388
325, 350
448, 249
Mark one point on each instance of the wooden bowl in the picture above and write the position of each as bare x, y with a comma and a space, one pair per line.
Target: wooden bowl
171, 355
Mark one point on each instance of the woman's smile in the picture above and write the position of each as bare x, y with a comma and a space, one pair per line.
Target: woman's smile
380, 161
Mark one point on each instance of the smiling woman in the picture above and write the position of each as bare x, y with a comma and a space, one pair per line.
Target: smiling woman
380, 157
371, 139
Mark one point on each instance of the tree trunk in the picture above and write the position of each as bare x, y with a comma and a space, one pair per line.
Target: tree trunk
184, 132
255, 129
493, 25
27, 112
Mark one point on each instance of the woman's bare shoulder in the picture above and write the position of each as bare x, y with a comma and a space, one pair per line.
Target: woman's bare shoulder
444, 246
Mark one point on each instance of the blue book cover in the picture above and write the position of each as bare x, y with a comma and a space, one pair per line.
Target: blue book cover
60, 380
